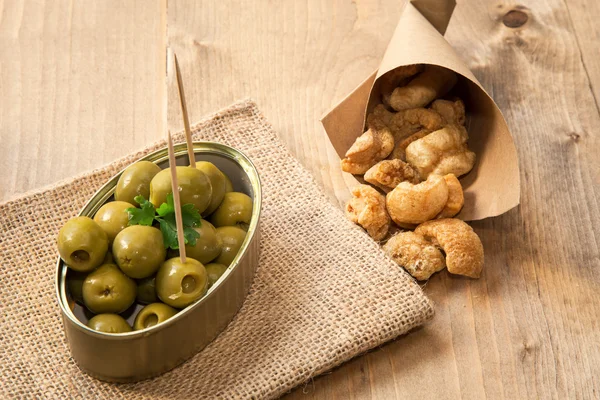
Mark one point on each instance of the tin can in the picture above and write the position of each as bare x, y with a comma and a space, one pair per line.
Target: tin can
138, 355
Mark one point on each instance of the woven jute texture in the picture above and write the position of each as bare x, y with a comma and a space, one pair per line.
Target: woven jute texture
323, 293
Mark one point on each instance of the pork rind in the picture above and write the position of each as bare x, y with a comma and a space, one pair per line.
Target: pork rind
397, 77
406, 122
414, 204
456, 197
463, 248
367, 208
453, 112
441, 152
430, 84
371, 147
387, 174
418, 256
399, 152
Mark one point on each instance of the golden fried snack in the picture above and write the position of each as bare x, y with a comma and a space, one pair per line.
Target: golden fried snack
463, 248
453, 112
441, 152
399, 151
430, 84
397, 77
387, 174
419, 257
407, 122
456, 198
367, 208
371, 147
414, 204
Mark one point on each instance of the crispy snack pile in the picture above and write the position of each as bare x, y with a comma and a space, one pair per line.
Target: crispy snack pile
414, 150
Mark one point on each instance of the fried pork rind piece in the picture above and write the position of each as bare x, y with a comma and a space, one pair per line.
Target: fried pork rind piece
414, 204
397, 77
456, 197
371, 147
430, 84
367, 208
441, 152
406, 122
463, 248
399, 151
453, 112
387, 174
419, 257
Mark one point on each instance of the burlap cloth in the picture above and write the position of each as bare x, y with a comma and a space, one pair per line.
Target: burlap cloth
324, 292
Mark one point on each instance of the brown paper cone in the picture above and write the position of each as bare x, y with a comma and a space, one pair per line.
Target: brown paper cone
493, 186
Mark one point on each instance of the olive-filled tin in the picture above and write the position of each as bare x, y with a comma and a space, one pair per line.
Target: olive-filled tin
138, 355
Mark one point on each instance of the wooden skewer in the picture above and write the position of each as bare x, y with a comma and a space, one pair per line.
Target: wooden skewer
184, 112
176, 200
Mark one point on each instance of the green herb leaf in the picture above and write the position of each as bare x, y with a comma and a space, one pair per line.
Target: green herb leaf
168, 228
146, 215
190, 215
143, 215
168, 207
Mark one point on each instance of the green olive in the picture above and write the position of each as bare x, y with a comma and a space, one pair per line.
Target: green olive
109, 323
232, 238
228, 185
135, 181
235, 210
194, 187
214, 271
179, 284
113, 218
75, 284
108, 290
82, 244
208, 245
217, 182
139, 250
146, 290
153, 314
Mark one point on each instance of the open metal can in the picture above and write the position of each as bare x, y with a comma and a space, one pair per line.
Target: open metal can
138, 355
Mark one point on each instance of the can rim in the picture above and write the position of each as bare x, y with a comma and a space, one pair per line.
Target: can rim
107, 190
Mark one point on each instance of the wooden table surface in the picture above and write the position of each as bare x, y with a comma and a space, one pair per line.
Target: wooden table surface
82, 83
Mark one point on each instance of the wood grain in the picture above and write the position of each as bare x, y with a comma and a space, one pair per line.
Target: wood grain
81, 85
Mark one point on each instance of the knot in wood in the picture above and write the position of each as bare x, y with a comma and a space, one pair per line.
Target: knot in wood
515, 19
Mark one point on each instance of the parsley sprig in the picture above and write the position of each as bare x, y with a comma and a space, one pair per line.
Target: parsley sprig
165, 216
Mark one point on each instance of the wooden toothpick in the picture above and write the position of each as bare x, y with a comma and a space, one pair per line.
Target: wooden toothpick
176, 199
184, 112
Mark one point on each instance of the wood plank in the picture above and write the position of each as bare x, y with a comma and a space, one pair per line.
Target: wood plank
584, 19
81, 86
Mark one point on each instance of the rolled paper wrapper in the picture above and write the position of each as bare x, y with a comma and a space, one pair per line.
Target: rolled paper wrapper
493, 185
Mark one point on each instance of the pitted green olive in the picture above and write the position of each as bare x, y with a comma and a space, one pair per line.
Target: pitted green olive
108, 290
153, 314
179, 284
194, 187
232, 238
135, 181
235, 210
109, 323
214, 271
82, 244
218, 184
139, 250
113, 218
